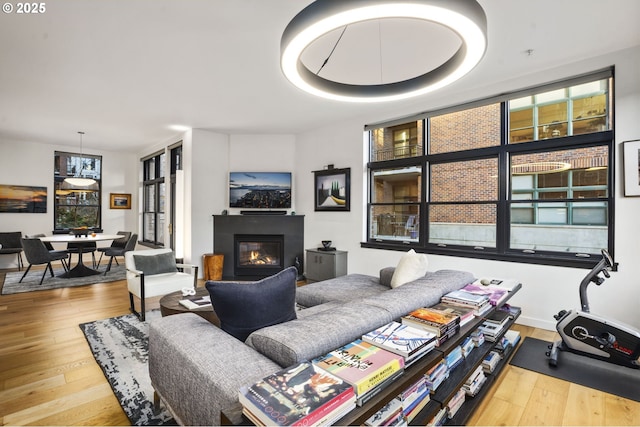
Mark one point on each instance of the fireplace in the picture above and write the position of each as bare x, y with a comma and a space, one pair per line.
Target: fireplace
258, 254
261, 230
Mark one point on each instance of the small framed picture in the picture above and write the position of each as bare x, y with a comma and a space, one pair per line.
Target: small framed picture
631, 167
120, 201
332, 190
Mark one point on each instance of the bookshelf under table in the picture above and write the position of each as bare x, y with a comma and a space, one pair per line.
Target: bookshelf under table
439, 398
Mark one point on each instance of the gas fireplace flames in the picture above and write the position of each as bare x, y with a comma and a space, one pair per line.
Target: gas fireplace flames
257, 258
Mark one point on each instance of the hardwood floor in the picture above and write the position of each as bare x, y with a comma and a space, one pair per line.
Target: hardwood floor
48, 375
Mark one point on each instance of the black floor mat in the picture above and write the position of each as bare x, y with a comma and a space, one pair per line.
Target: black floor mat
618, 380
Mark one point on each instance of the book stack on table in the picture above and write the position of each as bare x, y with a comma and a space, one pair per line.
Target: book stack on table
443, 324
302, 394
478, 302
494, 325
366, 367
407, 341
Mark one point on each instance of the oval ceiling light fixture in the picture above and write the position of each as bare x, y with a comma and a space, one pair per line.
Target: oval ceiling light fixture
466, 18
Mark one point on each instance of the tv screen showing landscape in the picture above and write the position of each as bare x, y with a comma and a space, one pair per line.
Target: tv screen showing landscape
260, 190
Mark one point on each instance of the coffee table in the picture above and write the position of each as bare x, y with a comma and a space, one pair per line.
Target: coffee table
169, 304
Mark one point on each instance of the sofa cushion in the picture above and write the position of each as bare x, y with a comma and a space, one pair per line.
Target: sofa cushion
447, 280
244, 307
403, 299
156, 264
386, 274
411, 266
318, 334
344, 288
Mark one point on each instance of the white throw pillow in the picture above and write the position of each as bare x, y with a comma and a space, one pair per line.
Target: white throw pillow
411, 266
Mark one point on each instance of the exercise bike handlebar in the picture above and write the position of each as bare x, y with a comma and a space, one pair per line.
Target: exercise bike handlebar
604, 265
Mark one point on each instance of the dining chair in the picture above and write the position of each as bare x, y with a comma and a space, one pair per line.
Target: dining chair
10, 244
38, 254
52, 250
112, 253
117, 243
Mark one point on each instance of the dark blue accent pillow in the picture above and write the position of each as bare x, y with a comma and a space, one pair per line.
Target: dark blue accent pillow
244, 307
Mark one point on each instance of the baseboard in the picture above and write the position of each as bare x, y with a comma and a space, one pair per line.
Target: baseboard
536, 323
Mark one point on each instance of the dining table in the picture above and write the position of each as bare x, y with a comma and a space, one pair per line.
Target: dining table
80, 270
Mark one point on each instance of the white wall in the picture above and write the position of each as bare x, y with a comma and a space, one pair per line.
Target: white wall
31, 163
545, 289
208, 158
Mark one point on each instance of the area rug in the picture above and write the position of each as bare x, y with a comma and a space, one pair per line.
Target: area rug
120, 346
9, 282
607, 377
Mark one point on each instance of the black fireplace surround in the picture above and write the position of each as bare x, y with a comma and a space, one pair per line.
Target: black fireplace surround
233, 234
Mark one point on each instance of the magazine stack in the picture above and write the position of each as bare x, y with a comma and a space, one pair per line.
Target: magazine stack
407, 341
443, 324
455, 403
479, 303
366, 367
415, 398
474, 382
302, 394
437, 374
495, 324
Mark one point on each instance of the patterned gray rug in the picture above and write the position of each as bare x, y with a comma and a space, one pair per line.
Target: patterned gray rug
120, 346
10, 281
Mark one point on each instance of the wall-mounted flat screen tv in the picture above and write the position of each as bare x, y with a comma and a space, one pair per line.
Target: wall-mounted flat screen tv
260, 190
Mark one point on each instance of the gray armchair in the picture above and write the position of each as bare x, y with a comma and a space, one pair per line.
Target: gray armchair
10, 244
38, 254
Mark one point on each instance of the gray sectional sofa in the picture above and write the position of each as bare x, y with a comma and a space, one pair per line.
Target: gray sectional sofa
197, 369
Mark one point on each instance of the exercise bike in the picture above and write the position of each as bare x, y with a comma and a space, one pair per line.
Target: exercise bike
590, 335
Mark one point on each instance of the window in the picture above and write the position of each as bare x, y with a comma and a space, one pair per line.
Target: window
153, 191
77, 207
524, 177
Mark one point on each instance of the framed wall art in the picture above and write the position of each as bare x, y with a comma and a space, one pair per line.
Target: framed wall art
332, 190
120, 201
23, 199
631, 167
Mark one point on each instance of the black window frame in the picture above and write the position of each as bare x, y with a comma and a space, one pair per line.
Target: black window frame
156, 182
503, 152
58, 178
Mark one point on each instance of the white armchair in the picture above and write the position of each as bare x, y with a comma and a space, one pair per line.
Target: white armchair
154, 272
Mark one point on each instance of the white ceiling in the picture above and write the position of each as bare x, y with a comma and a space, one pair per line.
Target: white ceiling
126, 71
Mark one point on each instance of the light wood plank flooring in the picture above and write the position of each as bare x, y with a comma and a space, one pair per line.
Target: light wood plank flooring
49, 377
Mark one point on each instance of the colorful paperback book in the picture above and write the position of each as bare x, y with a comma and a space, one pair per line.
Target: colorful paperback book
437, 321
361, 400
466, 313
401, 339
361, 364
299, 395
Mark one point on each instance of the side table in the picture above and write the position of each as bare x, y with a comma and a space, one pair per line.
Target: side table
169, 304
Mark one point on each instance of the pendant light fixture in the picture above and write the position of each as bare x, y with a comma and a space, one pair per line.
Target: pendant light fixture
465, 19
78, 182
